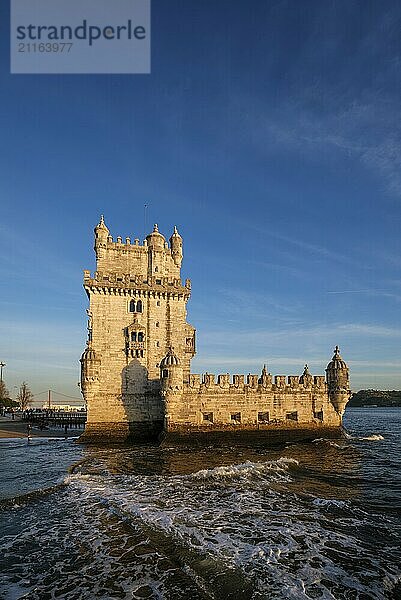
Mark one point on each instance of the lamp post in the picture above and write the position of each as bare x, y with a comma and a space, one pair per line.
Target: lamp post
1, 372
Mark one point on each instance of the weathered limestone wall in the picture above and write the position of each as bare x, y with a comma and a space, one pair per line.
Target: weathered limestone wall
220, 404
119, 257
137, 309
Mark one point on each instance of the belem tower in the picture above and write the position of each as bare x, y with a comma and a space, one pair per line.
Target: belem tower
136, 375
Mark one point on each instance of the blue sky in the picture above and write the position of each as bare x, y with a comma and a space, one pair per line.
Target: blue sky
269, 133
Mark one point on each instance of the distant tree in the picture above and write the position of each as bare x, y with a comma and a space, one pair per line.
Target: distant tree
4, 393
25, 396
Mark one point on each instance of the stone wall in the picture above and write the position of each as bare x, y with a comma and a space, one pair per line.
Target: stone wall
220, 403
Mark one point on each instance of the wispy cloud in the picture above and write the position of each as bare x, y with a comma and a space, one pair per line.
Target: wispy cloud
367, 131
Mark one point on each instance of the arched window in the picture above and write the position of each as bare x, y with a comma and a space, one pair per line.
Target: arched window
140, 336
139, 306
133, 336
132, 306
156, 269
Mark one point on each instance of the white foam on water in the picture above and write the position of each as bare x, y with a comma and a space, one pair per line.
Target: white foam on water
239, 518
245, 517
329, 502
246, 469
376, 437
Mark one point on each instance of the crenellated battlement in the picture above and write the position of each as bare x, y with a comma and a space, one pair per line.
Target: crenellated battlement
131, 246
129, 281
155, 256
253, 383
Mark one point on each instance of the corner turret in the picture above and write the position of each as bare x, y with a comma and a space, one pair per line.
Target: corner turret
171, 372
337, 376
176, 247
90, 365
171, 376
101, 235
155, 240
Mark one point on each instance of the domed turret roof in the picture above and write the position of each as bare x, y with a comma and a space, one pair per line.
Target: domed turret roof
175, 235
101, 225
155, 235
171, 359
337, 361
89, 354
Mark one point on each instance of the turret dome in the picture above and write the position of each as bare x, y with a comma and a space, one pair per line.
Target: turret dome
101, 226
175, 235
337, 361
89, 355
171, 359
156, 239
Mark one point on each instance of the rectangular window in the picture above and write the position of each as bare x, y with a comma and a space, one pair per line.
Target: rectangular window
318, 415
292, 416
263, 417
208, 417
158, 281
236, 417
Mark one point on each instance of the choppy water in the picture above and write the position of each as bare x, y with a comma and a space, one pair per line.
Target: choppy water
318, 520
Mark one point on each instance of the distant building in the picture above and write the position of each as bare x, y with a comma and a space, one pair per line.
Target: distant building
63, 407
135, 372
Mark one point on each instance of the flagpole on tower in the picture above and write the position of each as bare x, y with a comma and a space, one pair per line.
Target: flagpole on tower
145, 208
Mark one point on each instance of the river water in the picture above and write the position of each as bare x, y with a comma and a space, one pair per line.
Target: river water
320, 520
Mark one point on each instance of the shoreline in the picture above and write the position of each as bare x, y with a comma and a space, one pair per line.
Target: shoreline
11, 429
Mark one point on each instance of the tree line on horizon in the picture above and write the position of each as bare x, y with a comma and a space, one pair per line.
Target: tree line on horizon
376, 398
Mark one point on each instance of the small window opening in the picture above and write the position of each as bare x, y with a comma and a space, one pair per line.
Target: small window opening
236, 417
132, 306
208, 417
140, 336
139, 306
318, 415
292, 416
133, 336
165, 373
263, 417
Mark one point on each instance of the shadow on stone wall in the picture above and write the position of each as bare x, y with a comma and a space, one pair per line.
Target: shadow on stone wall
142, 402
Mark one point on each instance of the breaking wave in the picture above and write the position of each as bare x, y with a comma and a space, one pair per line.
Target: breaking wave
247, 469
301, 522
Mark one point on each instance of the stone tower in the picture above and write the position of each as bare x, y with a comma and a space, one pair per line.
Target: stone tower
337, 375
137, 311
